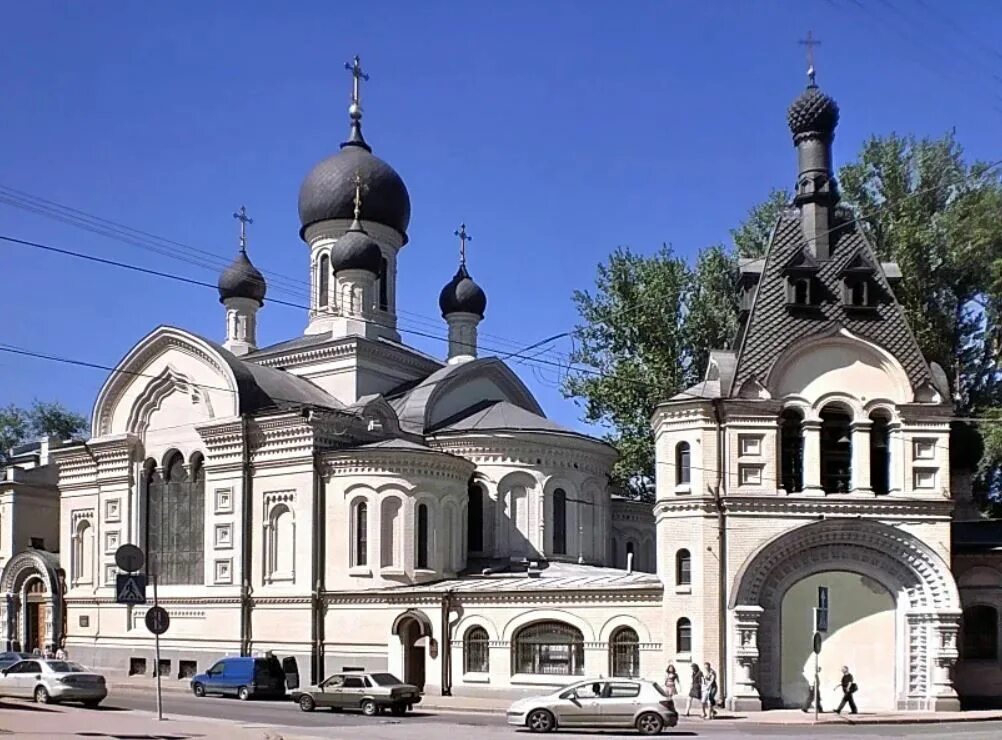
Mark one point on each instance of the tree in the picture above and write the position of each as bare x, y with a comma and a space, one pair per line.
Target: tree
646, 331
751, 238
43, 419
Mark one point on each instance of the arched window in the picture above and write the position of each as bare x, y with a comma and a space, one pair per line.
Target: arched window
281, 544
422, 536
791, 451
82, 567
323, 281
475, 518
175, 521
980, 633
683, 636
389, 536
836, 450
624, 653
631, 556
880, 453
476, 651
384, 291
548, 648
360, 522
683, 568
683, 474
559, 522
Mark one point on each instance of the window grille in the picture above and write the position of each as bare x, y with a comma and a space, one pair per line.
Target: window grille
476, 651
548, 648
624, 653
175, 521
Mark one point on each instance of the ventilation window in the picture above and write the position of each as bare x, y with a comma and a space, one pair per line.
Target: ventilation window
856, 293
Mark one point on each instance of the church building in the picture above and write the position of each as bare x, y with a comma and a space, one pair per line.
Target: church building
347, 501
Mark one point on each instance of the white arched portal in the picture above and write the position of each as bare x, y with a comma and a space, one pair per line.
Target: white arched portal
926, 608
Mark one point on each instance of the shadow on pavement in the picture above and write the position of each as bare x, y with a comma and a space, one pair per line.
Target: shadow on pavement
132, 736
24, 707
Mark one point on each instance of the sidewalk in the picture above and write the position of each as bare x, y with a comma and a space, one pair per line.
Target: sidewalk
63, 722
497, 705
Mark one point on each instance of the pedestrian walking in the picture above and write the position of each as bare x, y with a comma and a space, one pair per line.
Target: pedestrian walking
849, 687
809, 701
695, 688
671, 681
61, 652
709, 687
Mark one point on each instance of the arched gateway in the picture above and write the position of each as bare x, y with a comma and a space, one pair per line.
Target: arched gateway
32, 607
923, 626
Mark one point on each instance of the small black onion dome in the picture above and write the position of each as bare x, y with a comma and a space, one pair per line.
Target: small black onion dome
813, 112
328, 192
242, 280
356, 251
461, 294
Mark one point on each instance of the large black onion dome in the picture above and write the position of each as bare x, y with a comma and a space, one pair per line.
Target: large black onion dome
356, 251
463, 295
328, 192
242, 280
813, 112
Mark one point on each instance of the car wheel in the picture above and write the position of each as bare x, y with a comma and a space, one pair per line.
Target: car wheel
539, 720
650, 723
369, 708
306, 703
197, 689
92, 703
243, 693
398, 710
41, 695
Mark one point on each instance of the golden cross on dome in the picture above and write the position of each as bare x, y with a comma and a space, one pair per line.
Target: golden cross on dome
810, 42
463, 238
357, 75
244, 219
360, 187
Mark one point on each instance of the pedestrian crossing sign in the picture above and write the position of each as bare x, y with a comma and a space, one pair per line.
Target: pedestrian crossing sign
130, 588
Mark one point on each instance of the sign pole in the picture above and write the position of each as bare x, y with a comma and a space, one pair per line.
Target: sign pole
817, 696
156, 639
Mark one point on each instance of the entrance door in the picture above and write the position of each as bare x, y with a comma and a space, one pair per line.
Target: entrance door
414, 650
35, 633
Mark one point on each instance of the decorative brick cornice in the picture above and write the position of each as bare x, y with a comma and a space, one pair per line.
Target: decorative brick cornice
396, 461
622, 597
521, 450
840, 506
347, 349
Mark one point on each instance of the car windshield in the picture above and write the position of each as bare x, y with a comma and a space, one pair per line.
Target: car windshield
61, 666
384, 679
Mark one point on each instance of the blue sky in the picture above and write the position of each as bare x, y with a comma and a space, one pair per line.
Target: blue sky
556, 130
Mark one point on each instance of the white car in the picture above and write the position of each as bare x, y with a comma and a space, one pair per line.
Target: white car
600, 703
53, 681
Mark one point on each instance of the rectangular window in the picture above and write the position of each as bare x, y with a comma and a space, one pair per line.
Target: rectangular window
110, 572
750, 475
925, 478
924, 449
750, 445
623, 690
224, 501
113, 510
559, 522
224, 571
224, 536
111, 542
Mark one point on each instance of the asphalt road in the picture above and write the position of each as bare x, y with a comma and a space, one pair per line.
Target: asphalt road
286, 717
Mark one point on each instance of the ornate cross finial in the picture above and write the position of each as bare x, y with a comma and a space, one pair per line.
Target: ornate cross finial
810, 42
244, 219
463, 238
360, 187
357, 75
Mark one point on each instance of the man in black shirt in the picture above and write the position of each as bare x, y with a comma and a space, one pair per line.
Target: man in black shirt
849, 687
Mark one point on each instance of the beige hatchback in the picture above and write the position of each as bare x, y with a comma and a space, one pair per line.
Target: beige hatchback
602, 702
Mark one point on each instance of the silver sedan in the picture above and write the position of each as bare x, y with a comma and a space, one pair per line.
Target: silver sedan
53, 681
602, 703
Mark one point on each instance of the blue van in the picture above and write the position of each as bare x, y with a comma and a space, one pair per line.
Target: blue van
244, 678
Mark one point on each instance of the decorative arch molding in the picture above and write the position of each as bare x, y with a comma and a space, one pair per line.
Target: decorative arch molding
28, 564
159, 388
838, 337
17, 573
980, 576
518, 478
624, 620
547, 615
475, 620
423, 620
137, 360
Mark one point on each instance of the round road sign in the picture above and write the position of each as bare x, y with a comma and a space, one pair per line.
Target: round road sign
817, 643
157, 620
129, 558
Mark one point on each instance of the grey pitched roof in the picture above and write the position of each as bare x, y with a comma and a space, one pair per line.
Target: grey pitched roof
772, 326
704, 389
307, 340
500, 416
396, 444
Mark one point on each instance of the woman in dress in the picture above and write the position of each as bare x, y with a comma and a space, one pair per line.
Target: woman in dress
709, 692
671, 681
695, 688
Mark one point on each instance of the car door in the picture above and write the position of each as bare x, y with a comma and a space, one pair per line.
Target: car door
581, 705
9, 682
27, 677
620, 703
352, 691
333, 694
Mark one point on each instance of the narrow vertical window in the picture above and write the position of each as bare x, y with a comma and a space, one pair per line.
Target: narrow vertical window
559, 522
384, 290
836, 450
792, 450
683, 636
683, 568
880, 454
323, 281
362, 534
422, 536
683, 473
475, 519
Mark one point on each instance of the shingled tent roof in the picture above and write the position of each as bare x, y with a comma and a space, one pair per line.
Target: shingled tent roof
773, 326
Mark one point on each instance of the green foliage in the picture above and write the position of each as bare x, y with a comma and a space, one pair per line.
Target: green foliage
18, 425
751, 238
646, 329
